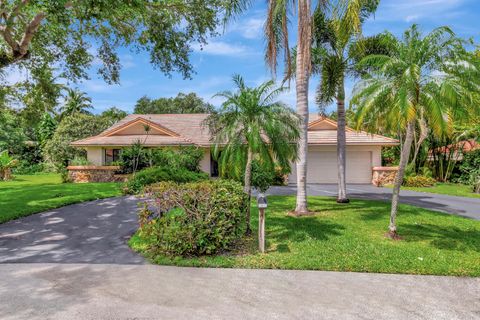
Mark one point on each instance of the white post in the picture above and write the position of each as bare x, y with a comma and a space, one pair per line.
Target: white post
261, 230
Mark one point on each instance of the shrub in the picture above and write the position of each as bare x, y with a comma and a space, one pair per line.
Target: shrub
183, 157
470, 170
157, 174
134, 158
80, 161
194, 219
419, 181
263, 175
25, 167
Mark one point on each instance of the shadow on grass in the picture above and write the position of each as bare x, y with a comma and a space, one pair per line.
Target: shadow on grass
301, 229
444, 238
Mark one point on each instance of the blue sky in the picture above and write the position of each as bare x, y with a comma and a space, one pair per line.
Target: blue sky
240, 50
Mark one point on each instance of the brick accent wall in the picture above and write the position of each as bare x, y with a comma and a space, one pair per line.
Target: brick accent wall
383, 175
84, 174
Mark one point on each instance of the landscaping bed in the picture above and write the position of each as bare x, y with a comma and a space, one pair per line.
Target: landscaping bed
349, 237
28, 194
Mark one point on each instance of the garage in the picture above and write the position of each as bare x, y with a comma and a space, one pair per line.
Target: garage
322, 167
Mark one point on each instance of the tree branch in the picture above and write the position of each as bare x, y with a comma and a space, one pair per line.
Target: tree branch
30, 32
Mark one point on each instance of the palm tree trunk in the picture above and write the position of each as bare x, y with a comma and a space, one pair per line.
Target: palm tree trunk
302, 74
399, 178
248, 187
341, 145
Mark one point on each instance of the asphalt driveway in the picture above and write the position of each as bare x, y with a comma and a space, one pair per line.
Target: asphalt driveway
467, 207
74, 263
89, 232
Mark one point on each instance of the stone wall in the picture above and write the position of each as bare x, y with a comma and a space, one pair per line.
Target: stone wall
383, 175
83, 174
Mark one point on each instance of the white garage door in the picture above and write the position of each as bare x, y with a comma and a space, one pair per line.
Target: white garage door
322, 167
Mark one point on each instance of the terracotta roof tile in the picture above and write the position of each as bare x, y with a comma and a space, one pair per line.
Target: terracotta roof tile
190, 130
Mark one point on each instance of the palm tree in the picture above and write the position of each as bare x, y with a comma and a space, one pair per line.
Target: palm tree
6, 165
253, 125
76, 101
337, 39
430, 77
276, 31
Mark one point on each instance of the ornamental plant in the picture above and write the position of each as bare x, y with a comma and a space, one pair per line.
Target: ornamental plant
193, 219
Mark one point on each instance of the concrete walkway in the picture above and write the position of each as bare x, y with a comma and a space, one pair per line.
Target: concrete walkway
79, 291
467, 207
89, 232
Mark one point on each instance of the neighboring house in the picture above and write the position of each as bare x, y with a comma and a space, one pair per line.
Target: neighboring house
455, 151
363, 149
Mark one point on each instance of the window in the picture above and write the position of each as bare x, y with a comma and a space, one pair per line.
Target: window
112, 155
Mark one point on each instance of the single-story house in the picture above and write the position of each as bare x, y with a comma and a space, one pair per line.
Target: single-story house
363, 149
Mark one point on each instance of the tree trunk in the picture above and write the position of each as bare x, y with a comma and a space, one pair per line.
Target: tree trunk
399, 178
248, 187
341, 145
421, 138
302, 74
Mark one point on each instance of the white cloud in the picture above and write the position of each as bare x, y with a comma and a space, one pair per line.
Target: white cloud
412, 18
221, 48
127, 61
251, 28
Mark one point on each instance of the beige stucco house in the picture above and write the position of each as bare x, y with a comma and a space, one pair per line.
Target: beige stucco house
363, 149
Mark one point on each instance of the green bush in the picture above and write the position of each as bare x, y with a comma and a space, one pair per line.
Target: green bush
157, 174
183, 157
134, 158
79, 161
193, 219
139, 157
470, 170
419, 181
25, 167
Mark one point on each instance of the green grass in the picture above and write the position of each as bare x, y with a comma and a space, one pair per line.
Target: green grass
351, 237
451, 189
28, 194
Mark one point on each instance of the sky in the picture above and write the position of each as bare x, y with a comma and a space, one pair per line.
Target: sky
240, 50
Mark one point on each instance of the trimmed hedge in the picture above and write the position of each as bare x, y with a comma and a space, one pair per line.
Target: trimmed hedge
157, 174
419, 181
193, 219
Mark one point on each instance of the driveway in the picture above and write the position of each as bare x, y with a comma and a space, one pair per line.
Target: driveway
467, 207
74, 263
46, 291
90, 232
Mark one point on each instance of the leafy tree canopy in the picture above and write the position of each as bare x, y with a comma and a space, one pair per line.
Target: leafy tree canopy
12, 137
57, 150
113, 114
70, 33
182, 103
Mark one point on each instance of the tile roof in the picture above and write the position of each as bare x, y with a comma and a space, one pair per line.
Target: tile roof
188, 129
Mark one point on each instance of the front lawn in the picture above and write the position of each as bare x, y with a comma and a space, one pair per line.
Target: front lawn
451, 189
350, 237
28, 194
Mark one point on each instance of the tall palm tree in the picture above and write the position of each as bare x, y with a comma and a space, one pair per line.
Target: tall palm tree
430, 77
277, 34
253, 125
337, 39
76, 101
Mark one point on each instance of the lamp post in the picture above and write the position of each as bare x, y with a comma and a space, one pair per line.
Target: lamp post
262, 205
